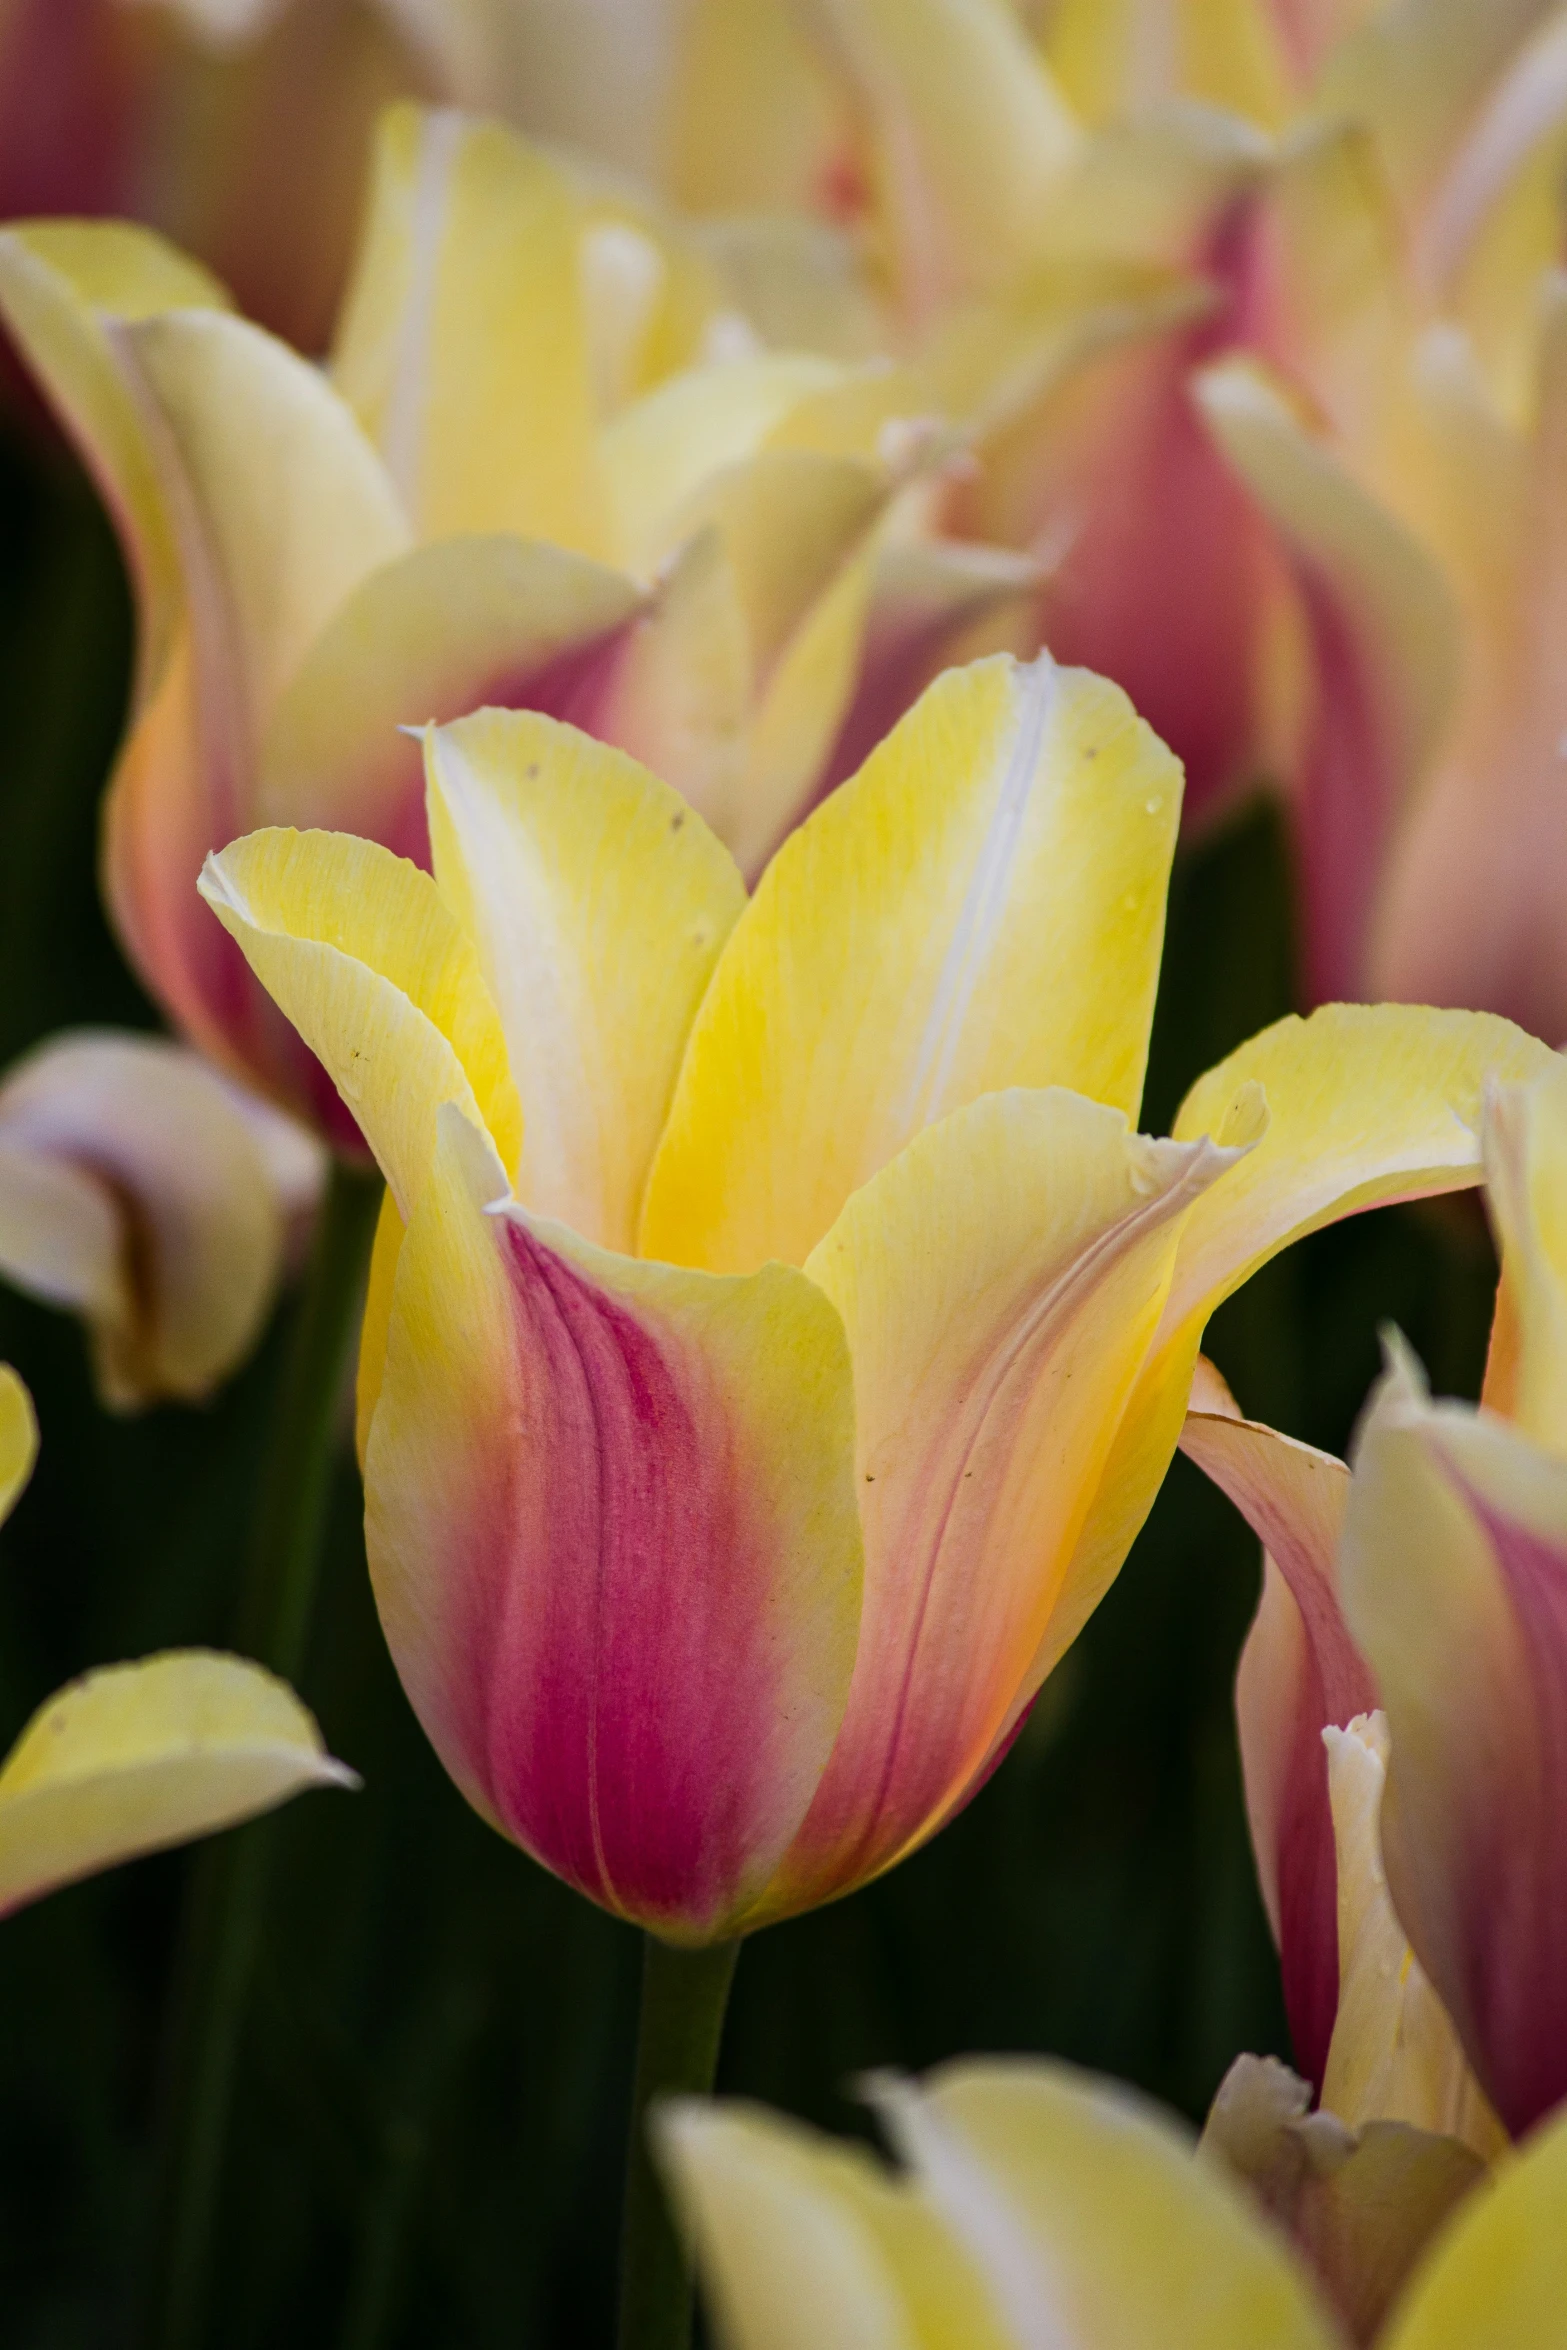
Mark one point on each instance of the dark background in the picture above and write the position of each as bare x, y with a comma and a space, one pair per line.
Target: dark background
435, 2071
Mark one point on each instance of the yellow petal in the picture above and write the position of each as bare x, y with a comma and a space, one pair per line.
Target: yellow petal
358, 951
1526, 1191
982, 907
280, 503
999, 1281
661, 449
1497, 2279
1115, 59
1394, 2054
463, 347
18, 1439
800, 2239
59, 279
134, 1189
443, 631
1084, 2210
598, 903
970, 136
1384, 642
139, 1756
680, 699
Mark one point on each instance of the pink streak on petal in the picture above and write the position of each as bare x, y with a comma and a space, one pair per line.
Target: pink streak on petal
621, 1672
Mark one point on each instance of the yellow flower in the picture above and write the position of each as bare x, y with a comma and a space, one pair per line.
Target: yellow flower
777, 1332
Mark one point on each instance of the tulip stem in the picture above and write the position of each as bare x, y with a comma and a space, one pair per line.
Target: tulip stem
228, 1891
684, 1995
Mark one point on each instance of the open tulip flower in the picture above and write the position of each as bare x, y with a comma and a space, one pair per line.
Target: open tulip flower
777, 1331
136, 1757
1038, 2206
147, 1194
1431, 1581
518, 483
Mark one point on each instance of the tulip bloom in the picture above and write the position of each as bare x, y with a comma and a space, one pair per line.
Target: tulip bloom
1433, 1578
518, 485
153, 1199
777, 1334
1037, 2205
133, 1758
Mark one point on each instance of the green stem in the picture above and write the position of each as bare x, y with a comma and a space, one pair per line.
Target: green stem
229, 1889
684, 1995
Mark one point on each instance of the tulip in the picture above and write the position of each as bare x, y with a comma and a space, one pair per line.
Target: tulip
520, 484
1036, 2205
807, 1238
1432, 1579
160, 1204
133, 1758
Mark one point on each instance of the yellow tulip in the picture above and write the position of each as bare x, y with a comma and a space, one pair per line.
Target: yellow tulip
1431, 1581
133, 1758
777, 1332
546, 468
1039, 2206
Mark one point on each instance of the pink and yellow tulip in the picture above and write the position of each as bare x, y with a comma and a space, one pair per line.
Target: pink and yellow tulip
1035, 2205
133, 1758
777, 1332
1433, 1581
526, 479
142, 1191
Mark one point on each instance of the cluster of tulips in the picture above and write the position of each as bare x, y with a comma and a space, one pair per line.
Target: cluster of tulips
659, 729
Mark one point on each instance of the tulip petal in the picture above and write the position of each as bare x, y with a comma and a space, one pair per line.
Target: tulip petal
1353, 1108
18, 1439
1299, 1671
443, 630
1084, 2210
135, 1190
463, 347
139, 1756
969, 137
59, 280
358, 951
630, 1637
983, 906
1395, 2056
802, 2239
598, 904
999, 1283
1383, 637
1454, 1581
1526, 1185
1498, 2278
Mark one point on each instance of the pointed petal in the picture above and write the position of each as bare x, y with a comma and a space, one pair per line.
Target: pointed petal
1454, 1578
442, 630
598, 904
1084, 2210
1347, 1110
983, 906
999, 1283
135, 1190
1383, 639
1395, 2056
463, 347
358, 951
969, 137
18, 1439
1498, 2278
136, 1757
800, 2238
611, 1523
58, 281
1299, 1671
